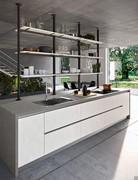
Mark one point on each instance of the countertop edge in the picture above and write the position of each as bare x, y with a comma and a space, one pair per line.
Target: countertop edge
72, 103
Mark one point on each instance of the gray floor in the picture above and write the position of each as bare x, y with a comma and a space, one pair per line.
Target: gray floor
109, 155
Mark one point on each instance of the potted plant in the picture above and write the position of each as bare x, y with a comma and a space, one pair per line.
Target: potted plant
96, 67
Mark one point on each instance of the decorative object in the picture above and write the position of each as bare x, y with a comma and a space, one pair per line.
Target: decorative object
31, 49
84, 90
107, 87
96, 67
26, 71
73, 70
31, 70
45, 49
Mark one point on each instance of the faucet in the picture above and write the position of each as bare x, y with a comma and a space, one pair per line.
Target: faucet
46, 91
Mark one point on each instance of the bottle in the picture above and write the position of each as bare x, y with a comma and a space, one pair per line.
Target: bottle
84, 90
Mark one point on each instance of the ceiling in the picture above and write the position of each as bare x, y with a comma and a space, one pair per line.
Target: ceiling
116, 19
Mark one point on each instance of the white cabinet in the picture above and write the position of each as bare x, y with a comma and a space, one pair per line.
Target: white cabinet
95, 116
98, 106
30, 139
100, 122
61, 137
61, 117
42, 134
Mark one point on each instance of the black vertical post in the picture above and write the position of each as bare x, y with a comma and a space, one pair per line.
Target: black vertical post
54, 51
18, 50
79, 60
98, 69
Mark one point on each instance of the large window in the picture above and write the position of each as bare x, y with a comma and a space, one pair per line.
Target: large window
123, 66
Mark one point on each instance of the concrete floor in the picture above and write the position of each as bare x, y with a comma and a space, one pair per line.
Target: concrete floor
109, 155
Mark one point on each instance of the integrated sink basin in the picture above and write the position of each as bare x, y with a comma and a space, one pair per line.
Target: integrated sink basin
53, 101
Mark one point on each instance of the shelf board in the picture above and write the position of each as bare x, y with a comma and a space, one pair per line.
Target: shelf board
87, 74
59, 55
59, 35
58, 74
37, 75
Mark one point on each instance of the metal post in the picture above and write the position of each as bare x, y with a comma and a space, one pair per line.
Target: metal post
79, 60
98, 59
54, 50
18, 51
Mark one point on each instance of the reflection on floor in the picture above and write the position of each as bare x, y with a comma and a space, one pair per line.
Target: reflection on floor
109, 155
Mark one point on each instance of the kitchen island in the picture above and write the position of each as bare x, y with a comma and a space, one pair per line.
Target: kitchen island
31, 130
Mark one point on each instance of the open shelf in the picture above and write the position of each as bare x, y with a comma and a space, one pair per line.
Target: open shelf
58, 74
59, 55
59, 35
87, 74
37, 75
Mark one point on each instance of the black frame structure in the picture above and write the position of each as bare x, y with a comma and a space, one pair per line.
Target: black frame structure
98, 69
79, 59
18, 51
54, 51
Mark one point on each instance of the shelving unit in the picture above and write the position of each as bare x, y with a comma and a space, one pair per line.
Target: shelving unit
55, 35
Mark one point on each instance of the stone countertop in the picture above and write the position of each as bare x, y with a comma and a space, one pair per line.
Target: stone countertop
27, 107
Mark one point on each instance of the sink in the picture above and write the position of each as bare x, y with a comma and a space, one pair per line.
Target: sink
53, 101
105, 92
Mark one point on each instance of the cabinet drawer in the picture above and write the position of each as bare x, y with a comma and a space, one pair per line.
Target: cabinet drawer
100, 122
61, 137
61, 117
95, 107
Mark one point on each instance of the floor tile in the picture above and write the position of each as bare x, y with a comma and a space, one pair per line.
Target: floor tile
76, 150
39, 169
60, 174
82, 169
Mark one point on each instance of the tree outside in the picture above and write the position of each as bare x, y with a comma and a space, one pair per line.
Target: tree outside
127, 69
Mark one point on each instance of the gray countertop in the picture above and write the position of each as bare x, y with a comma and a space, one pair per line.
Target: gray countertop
27, 107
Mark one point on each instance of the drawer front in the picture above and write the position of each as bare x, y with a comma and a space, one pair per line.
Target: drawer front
61, 138
100, 122
95, 107
61, 117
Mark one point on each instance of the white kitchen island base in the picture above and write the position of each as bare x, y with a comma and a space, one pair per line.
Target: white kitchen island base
31, 137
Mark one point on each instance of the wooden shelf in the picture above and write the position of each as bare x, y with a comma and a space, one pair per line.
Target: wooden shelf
59, 55
59, 35
58, 74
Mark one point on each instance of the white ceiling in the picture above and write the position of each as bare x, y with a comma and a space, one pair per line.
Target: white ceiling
117, 19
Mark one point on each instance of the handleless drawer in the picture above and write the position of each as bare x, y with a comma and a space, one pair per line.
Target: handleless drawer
61, 117
62, 137
99, 106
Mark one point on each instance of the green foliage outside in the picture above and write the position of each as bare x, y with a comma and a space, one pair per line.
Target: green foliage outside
128, 57
127, 72
8, 85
